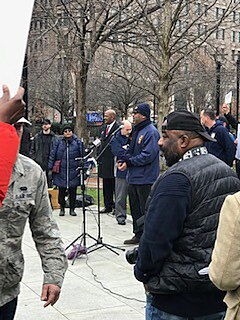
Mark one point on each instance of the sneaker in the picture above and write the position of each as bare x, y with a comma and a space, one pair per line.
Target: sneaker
62, 212
134, 240
106, 210
122, 223
72, 213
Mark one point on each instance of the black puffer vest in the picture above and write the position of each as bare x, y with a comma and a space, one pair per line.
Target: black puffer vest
211, 180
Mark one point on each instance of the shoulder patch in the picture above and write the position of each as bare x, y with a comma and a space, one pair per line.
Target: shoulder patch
140, 139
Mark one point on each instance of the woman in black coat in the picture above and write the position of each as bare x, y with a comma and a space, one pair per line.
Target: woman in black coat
66, 149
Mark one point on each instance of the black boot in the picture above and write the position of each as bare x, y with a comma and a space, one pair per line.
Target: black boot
72, 212
62, 211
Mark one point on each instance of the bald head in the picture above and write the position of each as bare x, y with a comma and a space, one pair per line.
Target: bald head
126, 130
109, 116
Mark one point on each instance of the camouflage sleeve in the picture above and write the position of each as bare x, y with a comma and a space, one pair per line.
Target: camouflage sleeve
46, 236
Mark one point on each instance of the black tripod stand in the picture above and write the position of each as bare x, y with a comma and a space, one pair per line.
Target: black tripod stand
82, 237
99, 242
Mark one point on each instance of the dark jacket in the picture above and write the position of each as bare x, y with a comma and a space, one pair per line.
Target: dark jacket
232, 121
119, 146
211, 181
106, 161
224, 148
66, 150
25, 145
143, 157
37, 149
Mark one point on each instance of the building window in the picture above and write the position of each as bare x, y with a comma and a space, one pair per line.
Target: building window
46, 23
234, 16
115, 59
179, 25
217, 12
199, 29
233, 55
205, 29
199, 9
233, 36
35, 26
187, 6
217, 34
222, 52
125, 61
223, 34
205, 10
238, 37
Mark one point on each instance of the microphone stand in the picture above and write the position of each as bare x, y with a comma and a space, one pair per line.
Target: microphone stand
99, 242
84, 234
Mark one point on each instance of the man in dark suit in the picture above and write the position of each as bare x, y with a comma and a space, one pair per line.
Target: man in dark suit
106, 160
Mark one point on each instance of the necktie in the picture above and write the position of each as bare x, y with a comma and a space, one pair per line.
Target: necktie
107, 130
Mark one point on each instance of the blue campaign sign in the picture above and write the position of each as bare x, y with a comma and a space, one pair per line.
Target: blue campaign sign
94, 117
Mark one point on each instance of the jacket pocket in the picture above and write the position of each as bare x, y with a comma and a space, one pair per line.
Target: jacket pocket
14, 270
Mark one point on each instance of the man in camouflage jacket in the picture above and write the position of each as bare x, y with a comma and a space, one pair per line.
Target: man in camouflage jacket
27, 199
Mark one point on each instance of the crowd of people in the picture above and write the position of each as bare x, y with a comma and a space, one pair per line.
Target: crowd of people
188, 254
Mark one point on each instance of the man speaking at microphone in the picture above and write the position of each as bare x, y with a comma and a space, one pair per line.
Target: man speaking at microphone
106, 160
142, 161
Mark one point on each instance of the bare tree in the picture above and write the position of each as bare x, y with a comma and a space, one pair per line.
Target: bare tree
162, 42
116, 81
87, 25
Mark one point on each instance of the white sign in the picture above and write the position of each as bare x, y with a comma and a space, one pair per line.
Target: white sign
15, 17
228, 98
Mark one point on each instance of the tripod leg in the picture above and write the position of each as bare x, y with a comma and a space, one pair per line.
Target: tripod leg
114, 247
78, 250
75, 240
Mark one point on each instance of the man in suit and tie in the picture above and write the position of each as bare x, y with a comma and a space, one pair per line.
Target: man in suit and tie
106, 160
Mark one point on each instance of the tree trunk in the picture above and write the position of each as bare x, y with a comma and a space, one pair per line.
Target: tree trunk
163, 105
80, 105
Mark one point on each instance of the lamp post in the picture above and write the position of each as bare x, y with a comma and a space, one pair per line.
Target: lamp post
25, 84
154, 103
218, 85
237, 96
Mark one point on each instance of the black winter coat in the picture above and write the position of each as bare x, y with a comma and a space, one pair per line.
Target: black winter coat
106, 161
37, 149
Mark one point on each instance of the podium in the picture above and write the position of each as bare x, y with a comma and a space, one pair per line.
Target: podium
53, 195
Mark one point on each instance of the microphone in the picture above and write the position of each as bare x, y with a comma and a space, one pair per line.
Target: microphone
118, 129
92, 164
96, 143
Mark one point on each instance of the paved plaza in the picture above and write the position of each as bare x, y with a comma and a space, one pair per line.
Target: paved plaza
99, 286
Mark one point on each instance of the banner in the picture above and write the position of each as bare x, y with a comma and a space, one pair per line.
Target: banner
15, 18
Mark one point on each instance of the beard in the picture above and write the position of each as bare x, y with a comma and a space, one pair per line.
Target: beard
170, 157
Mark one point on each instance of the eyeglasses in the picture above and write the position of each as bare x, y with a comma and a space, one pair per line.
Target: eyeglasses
67, 130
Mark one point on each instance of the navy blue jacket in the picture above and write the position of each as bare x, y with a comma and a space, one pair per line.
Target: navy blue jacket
119, 146
143, 161
224, 148
66, 150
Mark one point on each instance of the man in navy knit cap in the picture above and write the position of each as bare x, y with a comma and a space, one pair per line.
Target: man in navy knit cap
180, 225
142, 161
